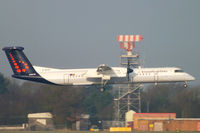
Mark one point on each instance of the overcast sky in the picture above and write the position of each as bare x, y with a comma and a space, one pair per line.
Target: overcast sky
82, 33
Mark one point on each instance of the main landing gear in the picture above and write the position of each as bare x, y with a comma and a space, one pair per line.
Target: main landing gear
102, 89
103, 83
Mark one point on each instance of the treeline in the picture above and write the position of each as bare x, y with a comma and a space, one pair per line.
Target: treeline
174, 98
66, 103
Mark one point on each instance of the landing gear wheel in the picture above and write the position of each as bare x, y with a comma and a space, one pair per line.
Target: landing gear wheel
103, 83
185, 84
102, 89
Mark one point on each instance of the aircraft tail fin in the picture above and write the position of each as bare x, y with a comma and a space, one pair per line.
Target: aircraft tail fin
19, 62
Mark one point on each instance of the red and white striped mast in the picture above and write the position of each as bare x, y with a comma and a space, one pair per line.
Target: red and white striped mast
131, 93
127, 42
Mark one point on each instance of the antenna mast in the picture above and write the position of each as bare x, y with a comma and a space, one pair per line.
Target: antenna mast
128, 97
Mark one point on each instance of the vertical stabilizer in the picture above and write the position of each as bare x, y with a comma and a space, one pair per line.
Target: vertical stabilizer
19, 62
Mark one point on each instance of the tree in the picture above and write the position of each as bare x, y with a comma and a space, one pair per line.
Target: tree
174, 98
68, 106
3, 84
97, 104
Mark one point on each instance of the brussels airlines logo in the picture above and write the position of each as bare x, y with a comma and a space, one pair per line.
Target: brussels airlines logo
19, 66
72, 74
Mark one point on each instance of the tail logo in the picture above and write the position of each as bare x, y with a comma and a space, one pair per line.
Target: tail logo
19, 66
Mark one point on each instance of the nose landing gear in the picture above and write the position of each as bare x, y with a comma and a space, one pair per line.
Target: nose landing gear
185, 84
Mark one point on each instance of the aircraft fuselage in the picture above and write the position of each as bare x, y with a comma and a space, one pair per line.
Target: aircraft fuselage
90, 76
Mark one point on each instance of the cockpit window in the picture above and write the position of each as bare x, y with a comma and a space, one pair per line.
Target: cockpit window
178, 71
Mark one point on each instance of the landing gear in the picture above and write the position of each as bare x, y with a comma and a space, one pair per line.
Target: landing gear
185, 84
102, 89
103, 83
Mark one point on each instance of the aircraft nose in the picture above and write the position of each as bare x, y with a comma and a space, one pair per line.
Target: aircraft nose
191, 78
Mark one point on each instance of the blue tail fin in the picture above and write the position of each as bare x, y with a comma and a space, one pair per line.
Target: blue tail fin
19, 62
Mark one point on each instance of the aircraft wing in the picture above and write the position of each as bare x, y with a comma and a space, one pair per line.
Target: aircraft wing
105, 72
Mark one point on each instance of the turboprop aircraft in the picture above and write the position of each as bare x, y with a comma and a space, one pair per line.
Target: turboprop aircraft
23, 69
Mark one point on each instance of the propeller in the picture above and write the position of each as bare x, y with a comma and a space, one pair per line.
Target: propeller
129, 70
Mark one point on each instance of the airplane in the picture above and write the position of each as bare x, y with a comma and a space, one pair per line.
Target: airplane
103, 75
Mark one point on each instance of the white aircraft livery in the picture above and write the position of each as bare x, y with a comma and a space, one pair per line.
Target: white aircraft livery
23, 69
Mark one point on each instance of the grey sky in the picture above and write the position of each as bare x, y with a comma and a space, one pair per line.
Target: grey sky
82, 33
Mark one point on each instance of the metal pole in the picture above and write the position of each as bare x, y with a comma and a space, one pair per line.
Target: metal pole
139, 109
128, 98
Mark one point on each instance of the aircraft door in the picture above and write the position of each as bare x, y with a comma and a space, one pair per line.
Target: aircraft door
156, 77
